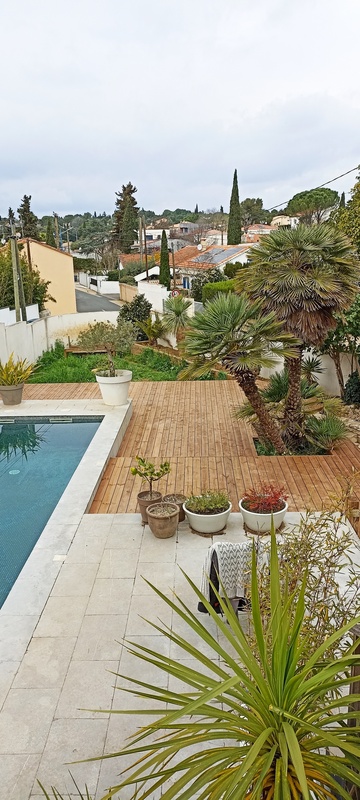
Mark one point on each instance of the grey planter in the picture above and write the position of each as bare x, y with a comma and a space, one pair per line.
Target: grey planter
12, 395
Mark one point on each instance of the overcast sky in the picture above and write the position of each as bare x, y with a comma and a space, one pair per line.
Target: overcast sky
173, 95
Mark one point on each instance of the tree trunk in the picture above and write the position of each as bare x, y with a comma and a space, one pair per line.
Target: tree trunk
293, 414
269, 426
336, 357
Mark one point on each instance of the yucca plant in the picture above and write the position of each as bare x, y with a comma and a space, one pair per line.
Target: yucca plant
260, 725
12, 372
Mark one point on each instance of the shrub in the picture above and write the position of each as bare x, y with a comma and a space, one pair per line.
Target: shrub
231, 269
352, 389
86, 265
210, 290
266, 499
138, 310
113, 275
111, 338
197, 283
325, 432
208, 503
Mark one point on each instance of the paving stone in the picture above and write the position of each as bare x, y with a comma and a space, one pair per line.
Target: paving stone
145, 609
118, 563
17, 775
88, 685
110, 596
15, 634
62, 617
100, 637
163, 578
25, 720
45, 663
8, 670
75, 580
71, 740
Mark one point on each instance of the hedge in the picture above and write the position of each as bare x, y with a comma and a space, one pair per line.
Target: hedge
211, 289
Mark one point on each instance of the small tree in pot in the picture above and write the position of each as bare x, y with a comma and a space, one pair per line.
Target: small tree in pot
13, 375
149, 473
113, 339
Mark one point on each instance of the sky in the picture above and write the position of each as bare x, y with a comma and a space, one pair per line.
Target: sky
173, 95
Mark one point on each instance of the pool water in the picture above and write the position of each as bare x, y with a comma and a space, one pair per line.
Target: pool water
37, 459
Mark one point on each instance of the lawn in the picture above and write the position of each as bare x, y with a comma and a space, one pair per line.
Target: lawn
149, 365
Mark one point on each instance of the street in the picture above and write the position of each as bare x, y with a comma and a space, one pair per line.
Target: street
92, 302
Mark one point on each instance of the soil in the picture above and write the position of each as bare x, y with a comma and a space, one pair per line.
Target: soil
150, 496
210, 512
163, 510
176, 498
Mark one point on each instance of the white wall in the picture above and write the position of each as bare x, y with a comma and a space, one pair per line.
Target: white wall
8, 316
98, 283
154, 293
30, 339
108, 287
327, 379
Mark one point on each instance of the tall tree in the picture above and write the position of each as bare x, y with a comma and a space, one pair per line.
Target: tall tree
196, 210
236, 333
348, 218
29, 221
50, 238
342, 200
128, 233
252, 211
36, 290
164, 277
126, 196
234, 224
314, 205
306, 276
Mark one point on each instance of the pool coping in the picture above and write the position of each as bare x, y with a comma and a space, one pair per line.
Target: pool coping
25, 602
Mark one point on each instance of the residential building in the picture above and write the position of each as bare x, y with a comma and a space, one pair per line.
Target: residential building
57, 267
284, 221
192, 260
254, 232
214, 237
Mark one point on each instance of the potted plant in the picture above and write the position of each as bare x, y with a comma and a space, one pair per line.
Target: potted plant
148, 472
259, 506
163, 519
13, 375
179, 500
208, 512
113, 339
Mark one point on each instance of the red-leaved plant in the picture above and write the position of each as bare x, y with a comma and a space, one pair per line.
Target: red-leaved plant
266, 499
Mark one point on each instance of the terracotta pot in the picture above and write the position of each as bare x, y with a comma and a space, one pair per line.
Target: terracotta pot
179, 500
261, 523
163, 526
12, 395
144, 501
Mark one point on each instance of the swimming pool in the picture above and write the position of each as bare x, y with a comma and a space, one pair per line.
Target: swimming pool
38, 456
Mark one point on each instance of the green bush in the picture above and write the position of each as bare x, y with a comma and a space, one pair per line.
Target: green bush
86, 265
231, 269
325, 432
138, 310
352, 389
113, 275
210, 290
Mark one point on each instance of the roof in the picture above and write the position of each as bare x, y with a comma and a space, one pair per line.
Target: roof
213, 256
43, 244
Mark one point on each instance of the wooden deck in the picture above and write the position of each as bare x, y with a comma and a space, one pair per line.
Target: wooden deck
192, 425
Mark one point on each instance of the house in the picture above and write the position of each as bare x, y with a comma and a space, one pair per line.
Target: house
254, 232
192, 260
154, 234
54, 266
284, 221
214, 236
184, 228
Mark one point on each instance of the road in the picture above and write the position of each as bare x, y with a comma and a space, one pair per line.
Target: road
93, 302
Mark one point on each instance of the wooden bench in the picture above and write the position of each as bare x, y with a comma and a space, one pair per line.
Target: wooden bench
82, 351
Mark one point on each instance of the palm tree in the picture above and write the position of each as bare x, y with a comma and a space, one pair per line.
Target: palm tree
305, 276
232, 330
175, 317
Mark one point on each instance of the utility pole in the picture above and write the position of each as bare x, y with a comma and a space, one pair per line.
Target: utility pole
21, 285
173, 264
56, 226
67, 236
13, 245
141, 242
145, 249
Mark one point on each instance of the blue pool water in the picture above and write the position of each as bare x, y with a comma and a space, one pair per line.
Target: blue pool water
37, 460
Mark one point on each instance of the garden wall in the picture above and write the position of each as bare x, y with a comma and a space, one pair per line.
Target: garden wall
30, 339
327, 379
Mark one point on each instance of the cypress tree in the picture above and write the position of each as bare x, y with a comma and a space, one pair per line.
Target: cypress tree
122, 198
342, 200
128, 228
29, 221
164, 277
234, 223
50, 238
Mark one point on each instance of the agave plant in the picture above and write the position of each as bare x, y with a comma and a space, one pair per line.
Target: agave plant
12, 373
259, 725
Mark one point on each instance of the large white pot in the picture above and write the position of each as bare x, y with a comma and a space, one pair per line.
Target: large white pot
115, 390
261, 523
207, 523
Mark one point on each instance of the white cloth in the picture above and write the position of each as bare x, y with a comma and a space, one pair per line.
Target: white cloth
234, 560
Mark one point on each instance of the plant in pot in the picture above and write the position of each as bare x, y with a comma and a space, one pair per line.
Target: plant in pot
114, 340
163, 519
208, 512
149, 473
13, 375
260, 505
179, 500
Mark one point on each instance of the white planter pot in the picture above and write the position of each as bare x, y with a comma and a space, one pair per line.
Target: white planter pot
207, 523
261, 523
115, 390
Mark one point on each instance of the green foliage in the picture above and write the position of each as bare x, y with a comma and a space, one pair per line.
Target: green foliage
111, 338
138, 310
263, 718
325, 432
312, 205
148, 472
19, 439
234, 223
231, 269
210, 290
125, 218
198, 282
86, 265
175, 316
164, 276
348, 218
50, 238
311, 367
352, 389
29, 222
252, 211
154, 329
208, 502
36, 290
14, 372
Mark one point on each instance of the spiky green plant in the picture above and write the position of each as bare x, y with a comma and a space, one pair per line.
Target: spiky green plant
261, 726
14, 372
311, 367
55, 795
325, 432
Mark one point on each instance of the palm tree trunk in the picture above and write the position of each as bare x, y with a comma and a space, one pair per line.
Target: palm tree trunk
335, 355
293, 414
269, 426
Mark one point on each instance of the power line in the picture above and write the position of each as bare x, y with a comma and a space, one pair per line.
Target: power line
280, 205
